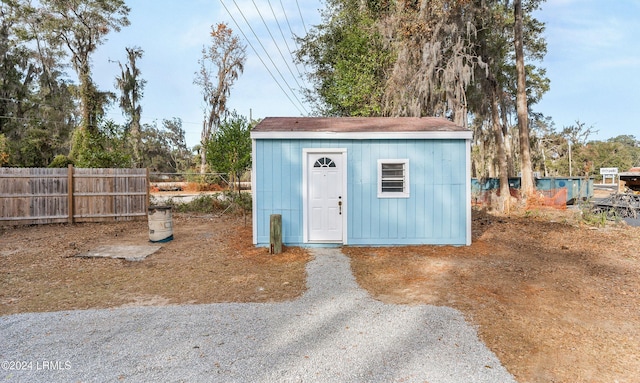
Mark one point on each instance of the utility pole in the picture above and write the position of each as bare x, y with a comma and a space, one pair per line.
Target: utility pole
569, 142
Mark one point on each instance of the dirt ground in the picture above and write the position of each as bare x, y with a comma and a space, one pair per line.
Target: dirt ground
556, 300
210, 260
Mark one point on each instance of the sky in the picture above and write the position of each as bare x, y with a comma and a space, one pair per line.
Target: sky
592, 61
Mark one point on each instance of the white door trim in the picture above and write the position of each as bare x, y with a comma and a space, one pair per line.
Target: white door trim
305, 202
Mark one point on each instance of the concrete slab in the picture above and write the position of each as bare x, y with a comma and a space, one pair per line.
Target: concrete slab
632, 221
129, 253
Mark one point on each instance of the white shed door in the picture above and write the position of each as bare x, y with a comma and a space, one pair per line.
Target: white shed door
325, 197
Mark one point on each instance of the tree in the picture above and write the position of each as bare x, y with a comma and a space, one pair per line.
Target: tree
497, 82
629, 147
81, 26
578, 134
393, 58
13, 60
570, 152
348, 61
488, 99
108, 148
434, 44
543, 142
575, 135
131, 88
526, 183
228, 55
505, 193
163, 148
37, 105
230, 150
454, 59
4, 155
175, 137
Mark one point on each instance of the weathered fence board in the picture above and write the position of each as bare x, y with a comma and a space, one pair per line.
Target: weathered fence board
42, 195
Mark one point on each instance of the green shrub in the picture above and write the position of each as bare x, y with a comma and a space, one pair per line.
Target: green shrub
60, 161
230, 203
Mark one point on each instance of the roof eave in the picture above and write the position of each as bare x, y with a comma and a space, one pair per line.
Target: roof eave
414, 135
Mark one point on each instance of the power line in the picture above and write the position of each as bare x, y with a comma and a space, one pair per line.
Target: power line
41, 103
302, 18
147, 119
284, 38
276, 44
57, 122
38, 120
268, 56
259, 57
290, 29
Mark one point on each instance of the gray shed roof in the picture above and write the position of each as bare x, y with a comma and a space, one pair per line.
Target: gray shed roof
357, 124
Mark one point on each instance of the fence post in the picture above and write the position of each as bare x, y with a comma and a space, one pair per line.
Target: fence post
148, 189
70, 192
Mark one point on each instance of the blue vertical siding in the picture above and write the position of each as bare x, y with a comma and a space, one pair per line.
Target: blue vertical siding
435, 213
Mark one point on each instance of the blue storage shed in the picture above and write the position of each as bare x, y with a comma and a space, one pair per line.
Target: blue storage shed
362, 181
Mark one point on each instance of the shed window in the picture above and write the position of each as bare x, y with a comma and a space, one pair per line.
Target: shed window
324, 162
393, 178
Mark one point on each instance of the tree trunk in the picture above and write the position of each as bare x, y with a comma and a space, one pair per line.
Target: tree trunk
544, 160
86, 103
136, 140
508, 141
88, 126
204, 141
503, 168
526, 185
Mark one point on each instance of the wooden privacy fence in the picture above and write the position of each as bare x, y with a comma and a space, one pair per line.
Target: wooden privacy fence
43, 195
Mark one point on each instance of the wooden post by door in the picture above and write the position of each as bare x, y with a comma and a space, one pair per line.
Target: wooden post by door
275, 234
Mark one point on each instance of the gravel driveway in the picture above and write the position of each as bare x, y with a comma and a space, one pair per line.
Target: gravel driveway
334, 333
